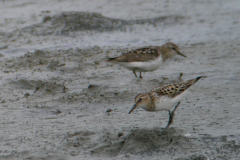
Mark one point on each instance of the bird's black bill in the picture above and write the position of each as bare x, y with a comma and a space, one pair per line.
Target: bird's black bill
134, 107
181, 54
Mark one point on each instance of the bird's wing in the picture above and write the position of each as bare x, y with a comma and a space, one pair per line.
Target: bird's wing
172, 90
137, 55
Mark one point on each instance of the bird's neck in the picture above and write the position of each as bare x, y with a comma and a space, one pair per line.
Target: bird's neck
151, 105
164, 53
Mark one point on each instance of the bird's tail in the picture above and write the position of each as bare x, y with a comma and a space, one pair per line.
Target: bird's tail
192, 81
197, 79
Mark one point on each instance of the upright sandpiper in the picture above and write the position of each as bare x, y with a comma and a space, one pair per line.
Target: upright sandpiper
147, 59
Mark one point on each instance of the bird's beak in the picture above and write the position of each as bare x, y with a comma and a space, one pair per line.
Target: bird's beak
134, 107
181, 54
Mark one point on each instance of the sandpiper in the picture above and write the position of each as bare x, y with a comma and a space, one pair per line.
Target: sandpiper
147, 59
163, 98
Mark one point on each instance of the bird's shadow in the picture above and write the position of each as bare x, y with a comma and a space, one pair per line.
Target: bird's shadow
141, 141
149, 140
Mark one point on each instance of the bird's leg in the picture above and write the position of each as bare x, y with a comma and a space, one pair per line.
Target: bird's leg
140, 75
170, 119
171, 115
134, 72
175, 108
181, 74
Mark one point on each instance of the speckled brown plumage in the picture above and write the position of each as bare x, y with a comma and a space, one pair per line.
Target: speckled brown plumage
146, 53
138, 55
172, 90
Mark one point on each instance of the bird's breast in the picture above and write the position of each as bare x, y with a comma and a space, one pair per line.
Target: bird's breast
144, 66
163, 103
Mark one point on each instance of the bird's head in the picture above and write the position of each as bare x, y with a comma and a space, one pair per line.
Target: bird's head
172, 49
141, 100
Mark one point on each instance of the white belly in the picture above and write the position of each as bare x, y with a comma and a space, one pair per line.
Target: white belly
143, 66
165, 103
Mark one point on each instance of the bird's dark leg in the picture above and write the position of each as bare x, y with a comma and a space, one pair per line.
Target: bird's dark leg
140, 75
175, 108
181, 74
135, 72
171, 115
170, 119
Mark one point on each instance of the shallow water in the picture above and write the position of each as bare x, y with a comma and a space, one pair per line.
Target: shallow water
56, 85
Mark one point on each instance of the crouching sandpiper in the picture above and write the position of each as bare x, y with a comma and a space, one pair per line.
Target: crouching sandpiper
163, 98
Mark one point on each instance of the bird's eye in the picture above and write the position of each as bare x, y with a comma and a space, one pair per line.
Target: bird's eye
140, 99
173, 48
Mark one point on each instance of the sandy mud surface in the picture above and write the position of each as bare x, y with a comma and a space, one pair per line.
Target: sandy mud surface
60, 99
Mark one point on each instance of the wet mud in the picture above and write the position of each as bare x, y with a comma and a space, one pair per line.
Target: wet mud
64, 101
68, 22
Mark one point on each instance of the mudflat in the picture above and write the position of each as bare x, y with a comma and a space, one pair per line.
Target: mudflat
60, 99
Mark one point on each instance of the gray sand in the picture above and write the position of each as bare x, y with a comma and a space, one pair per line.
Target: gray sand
61, 100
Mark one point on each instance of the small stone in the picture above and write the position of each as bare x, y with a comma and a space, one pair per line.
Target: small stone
57, 112
109, 110
92, 86
120, 134
3, 101
46, 18
76, 144
26, 95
